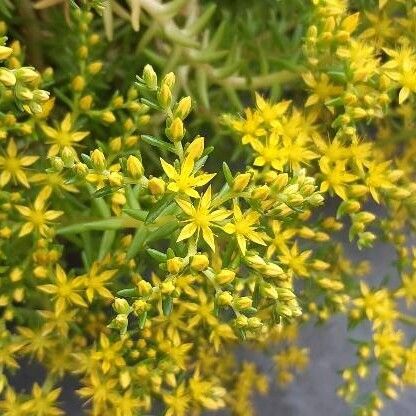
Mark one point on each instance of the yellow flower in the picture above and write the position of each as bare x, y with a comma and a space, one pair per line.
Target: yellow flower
38, 217
268, 112
206, 392
244, 228
280, 238
63, 136
95, 281
64, 290
177, 402
250, 127
12, 166
377, 306
270, 152
43, 402
408, 288
99, 390
202, 219
55, 180
11, 405
296, 260
336, 177
377, 178
127, 404
184, 181
322, 89
109, 354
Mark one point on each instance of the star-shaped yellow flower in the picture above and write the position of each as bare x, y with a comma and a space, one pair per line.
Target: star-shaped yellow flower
63, 136
202, 218
12, 166
183, 180
38, 217
244, 227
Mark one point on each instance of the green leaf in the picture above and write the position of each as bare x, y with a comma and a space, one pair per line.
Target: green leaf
164, 231
159, 207
138, 242
167, 305
156, 142
107, 190
128, 293
157, 255
137, 214
228, 175
142, 320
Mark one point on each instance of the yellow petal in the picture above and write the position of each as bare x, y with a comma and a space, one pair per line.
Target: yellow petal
28, 160
186, 207
208, 236
169, 169
5, 178
26, 229
187, 231
11, 148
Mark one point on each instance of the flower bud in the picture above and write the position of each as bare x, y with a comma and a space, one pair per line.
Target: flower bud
241, 181
167, 287
85, 102
5, 52
26, 74
199, 262
140, 306
120, 322
196, 148
164, 96
156, 186
115, 178
121, 306
40, 95
150, 77
254, 322
174, 265
183, 108
81, 169
261, 192
243, 303
95, 67
134, 167
175, 131
225, 276
169, 80
23, 93
7, 78
269, 291
224, 298
57, 164
241, 321
145, 288
68, 156
78, 83
98, 159
108, 117
316, 199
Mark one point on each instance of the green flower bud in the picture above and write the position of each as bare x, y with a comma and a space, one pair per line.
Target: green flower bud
121, 306
150, 77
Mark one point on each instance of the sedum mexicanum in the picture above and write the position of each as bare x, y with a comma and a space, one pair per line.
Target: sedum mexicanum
134, 260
